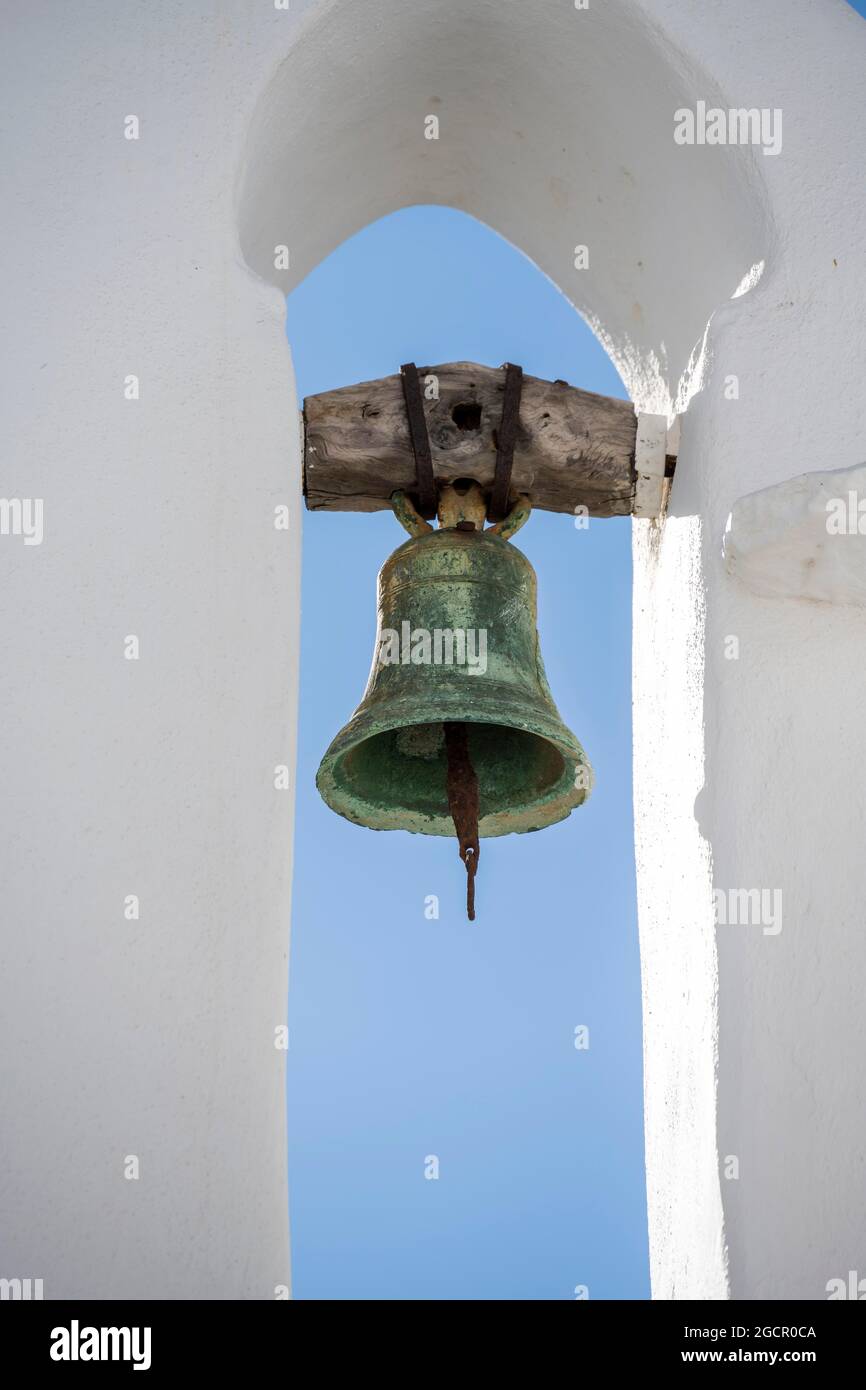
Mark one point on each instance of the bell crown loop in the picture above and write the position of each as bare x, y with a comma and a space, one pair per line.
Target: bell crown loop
455, 508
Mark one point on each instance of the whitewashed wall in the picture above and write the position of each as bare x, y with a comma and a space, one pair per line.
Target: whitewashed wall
155, 257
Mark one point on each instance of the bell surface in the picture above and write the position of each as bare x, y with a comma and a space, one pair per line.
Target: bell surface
456, 641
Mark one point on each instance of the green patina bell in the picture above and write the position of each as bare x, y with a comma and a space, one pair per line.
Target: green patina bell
457, 729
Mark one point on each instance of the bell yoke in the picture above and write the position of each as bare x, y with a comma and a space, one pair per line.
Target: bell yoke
457, 731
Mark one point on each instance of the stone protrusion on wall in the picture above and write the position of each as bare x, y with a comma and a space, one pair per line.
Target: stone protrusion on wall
804, 538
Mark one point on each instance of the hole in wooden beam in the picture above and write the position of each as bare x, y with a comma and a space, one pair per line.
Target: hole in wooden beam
467, 415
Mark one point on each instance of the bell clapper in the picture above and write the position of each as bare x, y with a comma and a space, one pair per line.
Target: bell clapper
462, 785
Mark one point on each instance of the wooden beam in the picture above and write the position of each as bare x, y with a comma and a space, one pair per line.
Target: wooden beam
573, 447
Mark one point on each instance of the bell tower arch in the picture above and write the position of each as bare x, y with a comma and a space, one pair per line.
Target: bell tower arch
555, 126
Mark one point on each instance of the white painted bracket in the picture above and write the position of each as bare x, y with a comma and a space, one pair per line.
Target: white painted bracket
653, 443
804, 538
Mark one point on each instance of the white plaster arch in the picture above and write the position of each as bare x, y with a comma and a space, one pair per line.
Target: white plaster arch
555, 129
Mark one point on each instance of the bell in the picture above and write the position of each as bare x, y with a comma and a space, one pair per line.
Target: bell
457, 730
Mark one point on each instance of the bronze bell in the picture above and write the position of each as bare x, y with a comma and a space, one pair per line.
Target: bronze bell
457, 729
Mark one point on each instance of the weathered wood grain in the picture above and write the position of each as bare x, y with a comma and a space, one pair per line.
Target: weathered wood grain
573, 447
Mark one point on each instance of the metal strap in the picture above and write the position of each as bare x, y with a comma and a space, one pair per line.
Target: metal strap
425, 485
498, 507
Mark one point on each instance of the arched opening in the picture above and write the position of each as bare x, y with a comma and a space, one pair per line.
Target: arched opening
416, 1034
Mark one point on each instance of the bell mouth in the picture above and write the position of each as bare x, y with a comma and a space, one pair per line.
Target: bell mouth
395, 778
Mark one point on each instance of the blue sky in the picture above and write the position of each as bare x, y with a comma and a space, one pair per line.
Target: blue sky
412, 1037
